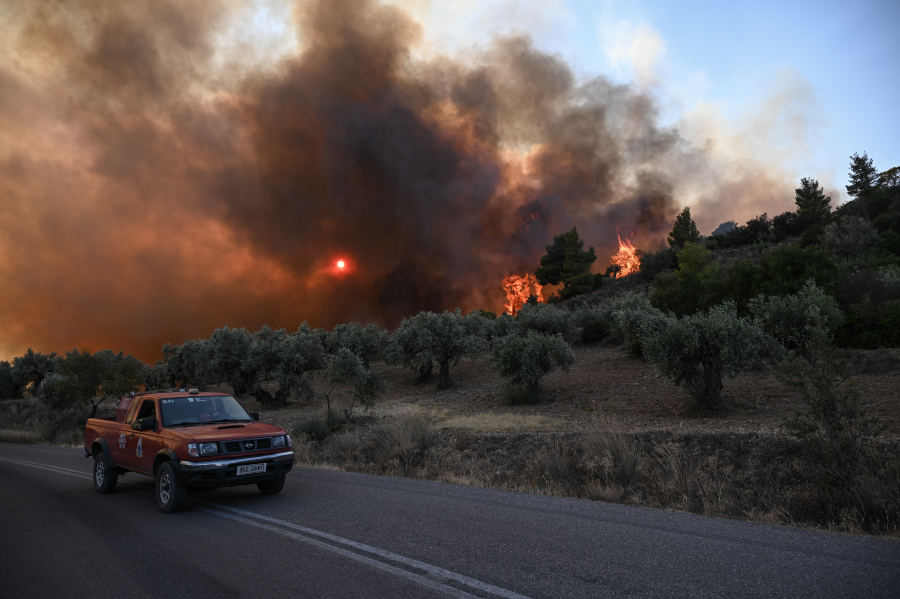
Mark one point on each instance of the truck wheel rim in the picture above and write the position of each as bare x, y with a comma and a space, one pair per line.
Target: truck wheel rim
164, 487
100, 473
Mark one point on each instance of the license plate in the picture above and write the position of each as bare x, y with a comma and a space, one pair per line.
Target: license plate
251, 469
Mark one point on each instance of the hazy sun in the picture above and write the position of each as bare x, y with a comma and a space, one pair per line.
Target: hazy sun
341, 264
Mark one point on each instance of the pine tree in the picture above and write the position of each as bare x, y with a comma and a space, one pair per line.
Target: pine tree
566, 262
810, 198
684, 231
863, 176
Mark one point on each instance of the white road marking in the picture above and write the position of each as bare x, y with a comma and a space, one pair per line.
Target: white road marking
244, 517
434, 570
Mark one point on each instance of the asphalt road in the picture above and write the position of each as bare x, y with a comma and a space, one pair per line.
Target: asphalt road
335, 534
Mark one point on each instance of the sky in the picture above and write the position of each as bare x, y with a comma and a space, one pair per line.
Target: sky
170, 167
726, 61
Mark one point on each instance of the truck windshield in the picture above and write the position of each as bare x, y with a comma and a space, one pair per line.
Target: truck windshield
201, 410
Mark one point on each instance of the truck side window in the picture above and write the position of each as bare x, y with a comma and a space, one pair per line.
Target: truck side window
132, 410
148, 409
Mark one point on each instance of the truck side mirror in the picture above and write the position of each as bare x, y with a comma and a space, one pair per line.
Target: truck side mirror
254, 415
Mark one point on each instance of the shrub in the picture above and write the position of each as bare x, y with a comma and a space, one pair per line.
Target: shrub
525, 359
797, 318
402, 438
697, 351
544, 318
314, 428
850, 240
594, 331
696, 284
427, 338
833, 427
780, 271
625, 316
9, 388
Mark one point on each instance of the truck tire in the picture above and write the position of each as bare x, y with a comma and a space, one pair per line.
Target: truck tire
105, 476
170, 493
271, 487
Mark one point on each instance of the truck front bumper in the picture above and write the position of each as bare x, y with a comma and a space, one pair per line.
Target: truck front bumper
223, 473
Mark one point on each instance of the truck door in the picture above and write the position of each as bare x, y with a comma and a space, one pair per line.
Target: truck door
119, 446
141, 447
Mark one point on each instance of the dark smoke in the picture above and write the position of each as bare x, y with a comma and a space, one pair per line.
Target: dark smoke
147, 196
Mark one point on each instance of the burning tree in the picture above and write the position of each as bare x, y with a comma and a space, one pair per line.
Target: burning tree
627, 259
518, 290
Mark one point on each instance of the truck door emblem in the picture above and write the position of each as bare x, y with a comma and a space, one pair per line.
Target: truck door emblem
248, 445
122, 441
140, 447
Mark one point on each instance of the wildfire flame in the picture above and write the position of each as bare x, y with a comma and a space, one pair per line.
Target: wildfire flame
518, 289
627, 259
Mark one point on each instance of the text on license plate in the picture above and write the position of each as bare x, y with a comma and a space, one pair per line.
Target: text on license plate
251, 469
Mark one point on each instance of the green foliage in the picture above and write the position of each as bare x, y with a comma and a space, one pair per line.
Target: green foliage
189, 362
366, 342
697, 351
30, 369
696, 284
684, 230
156, 376
781, 271
863, 176
654, 263
566, 262
300, 354
484, 314
9, 388
594, 331
798, 319
811, 199
429, 338
525, 359
226, 351
871, 301
344, 369
833, 426
624, 317
544, 318
850, 240
83, 379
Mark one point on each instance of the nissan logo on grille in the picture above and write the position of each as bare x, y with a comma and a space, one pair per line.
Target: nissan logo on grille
248, 444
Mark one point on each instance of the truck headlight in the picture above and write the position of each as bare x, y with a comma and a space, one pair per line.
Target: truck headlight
193, 450
208, 448
278, 441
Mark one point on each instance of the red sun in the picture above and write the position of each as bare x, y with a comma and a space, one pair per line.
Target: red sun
341, 264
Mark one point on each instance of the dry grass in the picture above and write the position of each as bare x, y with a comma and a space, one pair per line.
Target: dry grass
488, 422
25, 437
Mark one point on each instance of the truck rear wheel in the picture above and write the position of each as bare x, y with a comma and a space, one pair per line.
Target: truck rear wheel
105, 476
170, 493
271, 487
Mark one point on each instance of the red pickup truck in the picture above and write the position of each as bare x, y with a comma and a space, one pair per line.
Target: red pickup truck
187, 439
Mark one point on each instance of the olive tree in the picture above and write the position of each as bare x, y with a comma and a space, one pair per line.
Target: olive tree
799, 318
366, 342
227, 349
345, 369
544, 318
83, 380
300, 355
189, 362
30, 369
525, 359
697, 351
429, 338
850, 239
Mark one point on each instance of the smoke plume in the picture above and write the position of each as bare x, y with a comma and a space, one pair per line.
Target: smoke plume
154, 187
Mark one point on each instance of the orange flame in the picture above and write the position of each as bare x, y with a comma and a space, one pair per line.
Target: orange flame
627, 259
518, 289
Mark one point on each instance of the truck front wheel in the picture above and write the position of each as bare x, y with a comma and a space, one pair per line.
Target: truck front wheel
170, 493
105, 476
270, 487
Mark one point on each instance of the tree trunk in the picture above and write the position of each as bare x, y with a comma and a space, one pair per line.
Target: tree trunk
444, 378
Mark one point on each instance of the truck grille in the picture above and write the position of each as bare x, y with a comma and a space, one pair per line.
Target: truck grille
245, 445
